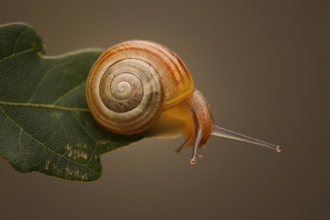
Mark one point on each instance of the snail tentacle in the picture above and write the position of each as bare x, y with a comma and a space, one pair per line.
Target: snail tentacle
221, 132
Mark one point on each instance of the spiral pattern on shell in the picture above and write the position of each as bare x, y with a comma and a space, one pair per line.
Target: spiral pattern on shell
130, 94
132, 82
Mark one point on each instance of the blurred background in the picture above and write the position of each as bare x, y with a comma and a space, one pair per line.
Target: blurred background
264, 67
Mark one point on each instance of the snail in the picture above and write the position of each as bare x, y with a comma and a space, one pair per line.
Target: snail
143, 87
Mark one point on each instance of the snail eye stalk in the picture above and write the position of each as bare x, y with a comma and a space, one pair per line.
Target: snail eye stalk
221, 132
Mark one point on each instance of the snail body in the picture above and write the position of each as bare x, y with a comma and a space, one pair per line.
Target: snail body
143, 87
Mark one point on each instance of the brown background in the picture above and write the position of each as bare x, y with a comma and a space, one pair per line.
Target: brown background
264, 67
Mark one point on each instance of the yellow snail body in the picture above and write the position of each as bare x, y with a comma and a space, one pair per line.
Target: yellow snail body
143, 87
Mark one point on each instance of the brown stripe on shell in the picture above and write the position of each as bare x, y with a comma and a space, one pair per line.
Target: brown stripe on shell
134, 45
176, 61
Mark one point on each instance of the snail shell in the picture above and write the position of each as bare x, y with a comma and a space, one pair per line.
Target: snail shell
143, 87
133, 82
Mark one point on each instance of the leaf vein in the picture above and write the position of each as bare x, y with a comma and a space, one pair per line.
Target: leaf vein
50, 106
20, 144
14, 54
68, 92
39, 84
18, 38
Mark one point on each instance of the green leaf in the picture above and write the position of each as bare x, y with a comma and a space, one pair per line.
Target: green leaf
45, 124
